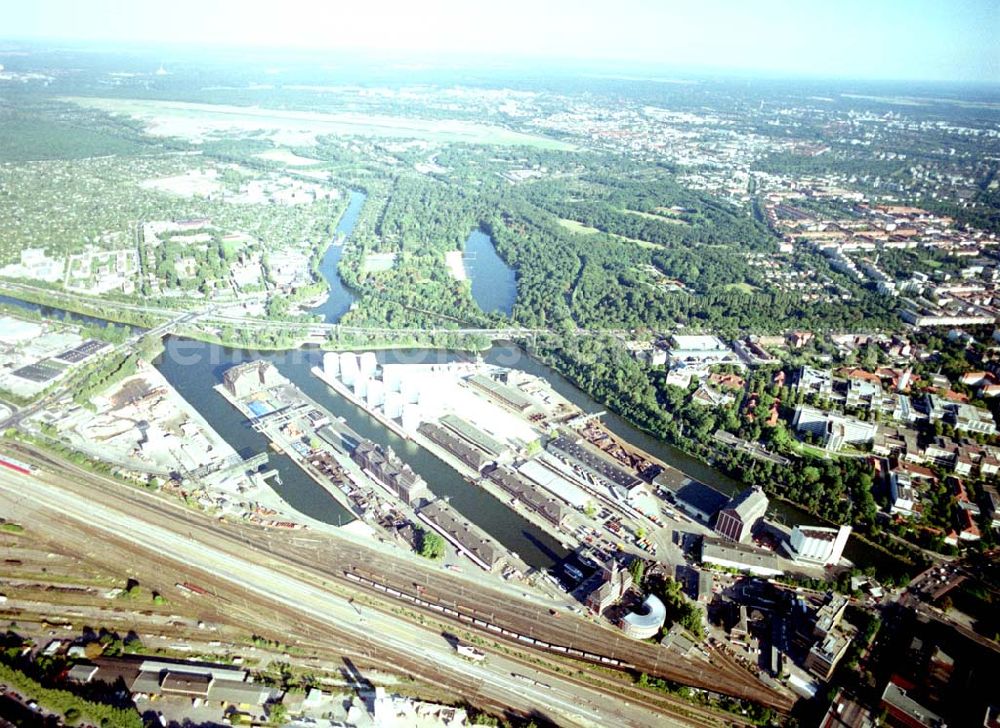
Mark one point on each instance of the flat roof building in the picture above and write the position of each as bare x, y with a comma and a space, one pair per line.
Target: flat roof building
817, 544
825, 654
505, 394
739, 556
597, 469
903, 710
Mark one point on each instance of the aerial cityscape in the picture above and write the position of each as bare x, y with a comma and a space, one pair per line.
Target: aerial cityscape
429, 365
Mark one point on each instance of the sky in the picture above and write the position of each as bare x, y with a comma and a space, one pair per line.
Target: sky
865, 39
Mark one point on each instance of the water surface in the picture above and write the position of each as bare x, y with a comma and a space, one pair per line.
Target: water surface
494, 283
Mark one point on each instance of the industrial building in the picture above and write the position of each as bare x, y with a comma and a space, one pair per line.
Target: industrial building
251, 377
645, 624
470, 456
390, 471
466, 536
549, 508
736, 520
739, 556
698, 500
210, 683
605, 587
817, 544
475, 436
595, 469
508, 396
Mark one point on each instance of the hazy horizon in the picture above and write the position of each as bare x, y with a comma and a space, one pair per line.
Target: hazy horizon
892, 41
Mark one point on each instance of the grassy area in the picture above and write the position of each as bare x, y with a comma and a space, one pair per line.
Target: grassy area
667, 216
741, 287
11, 528
194, 121
577, 227
640, 243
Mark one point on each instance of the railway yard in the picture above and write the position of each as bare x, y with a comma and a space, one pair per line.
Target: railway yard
265, 580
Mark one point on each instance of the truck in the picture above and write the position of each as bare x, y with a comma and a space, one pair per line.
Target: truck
470, 653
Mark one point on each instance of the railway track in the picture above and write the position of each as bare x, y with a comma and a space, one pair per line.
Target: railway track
518, 619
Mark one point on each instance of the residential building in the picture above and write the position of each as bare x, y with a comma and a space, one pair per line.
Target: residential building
824, 655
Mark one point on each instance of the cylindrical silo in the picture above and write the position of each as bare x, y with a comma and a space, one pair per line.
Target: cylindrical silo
410, 389
393, 405
331, 364
411, 417
374, 393
348, 367
392, 375
367, 364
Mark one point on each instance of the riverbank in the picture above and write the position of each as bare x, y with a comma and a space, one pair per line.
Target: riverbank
690, 464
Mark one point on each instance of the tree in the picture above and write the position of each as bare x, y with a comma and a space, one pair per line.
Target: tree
431, 545
277, 714
637, 569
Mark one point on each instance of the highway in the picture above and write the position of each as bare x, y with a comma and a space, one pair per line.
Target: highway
267, 582
319, 329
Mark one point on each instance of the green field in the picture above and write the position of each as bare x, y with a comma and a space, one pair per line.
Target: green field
195, 122
668, 216
577, 227
580, 229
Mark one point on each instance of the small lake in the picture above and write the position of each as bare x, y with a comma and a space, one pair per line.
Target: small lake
340, 298
494, 283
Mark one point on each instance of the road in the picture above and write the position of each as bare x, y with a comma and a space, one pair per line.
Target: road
273, 585
327, 556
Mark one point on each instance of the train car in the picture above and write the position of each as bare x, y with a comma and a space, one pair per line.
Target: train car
16, 465
191, 588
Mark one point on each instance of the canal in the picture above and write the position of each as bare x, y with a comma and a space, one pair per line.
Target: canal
194, 368
59, 314
340, 298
